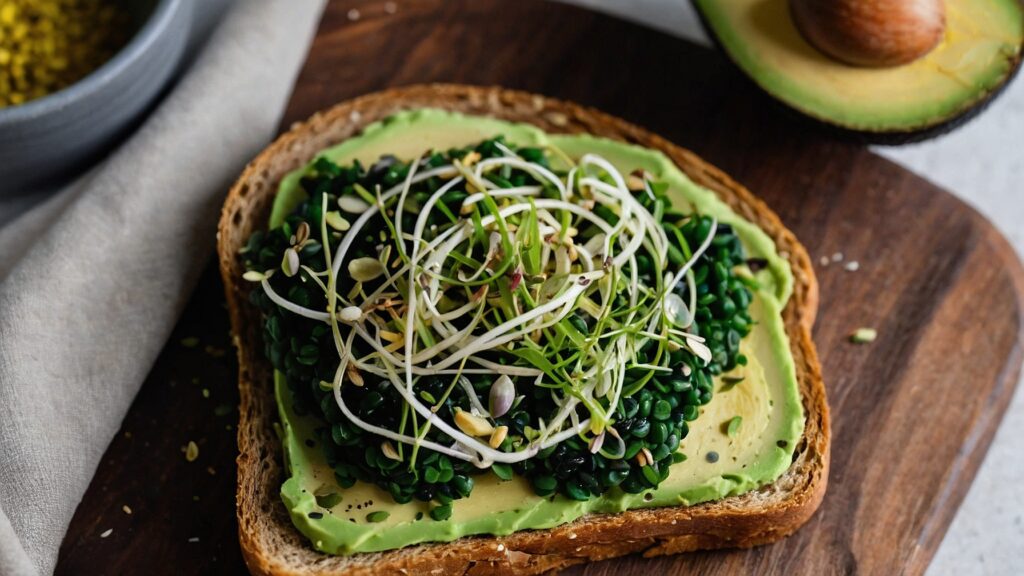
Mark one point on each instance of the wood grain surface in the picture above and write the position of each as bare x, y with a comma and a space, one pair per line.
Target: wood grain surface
913, 412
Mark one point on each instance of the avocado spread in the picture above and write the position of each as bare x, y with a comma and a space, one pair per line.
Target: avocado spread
741, 439
979, 52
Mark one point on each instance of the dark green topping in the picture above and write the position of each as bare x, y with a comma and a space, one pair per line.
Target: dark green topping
378, 516
630, 445
732, 427
329, 500
442, 512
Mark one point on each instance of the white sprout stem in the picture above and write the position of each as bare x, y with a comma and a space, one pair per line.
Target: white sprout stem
693, 259
536, 170
467, 387
599, 372
353, 232
401, 203
517, 192
291, 306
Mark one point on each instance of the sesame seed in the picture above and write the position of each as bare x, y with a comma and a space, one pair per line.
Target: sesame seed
852, 266
390, 7
193, 539
106, 532
353, 15
126, 509
824, 261
837, 257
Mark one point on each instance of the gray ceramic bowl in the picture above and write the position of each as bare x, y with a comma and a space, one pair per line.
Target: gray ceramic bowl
44, 140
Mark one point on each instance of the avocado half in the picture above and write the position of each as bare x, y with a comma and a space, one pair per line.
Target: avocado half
978, 56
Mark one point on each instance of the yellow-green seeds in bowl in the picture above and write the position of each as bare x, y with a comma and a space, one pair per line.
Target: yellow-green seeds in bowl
46, 45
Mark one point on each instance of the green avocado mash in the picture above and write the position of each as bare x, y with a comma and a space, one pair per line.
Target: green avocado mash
723, 458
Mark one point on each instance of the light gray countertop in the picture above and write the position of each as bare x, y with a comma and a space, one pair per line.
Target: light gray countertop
983, 164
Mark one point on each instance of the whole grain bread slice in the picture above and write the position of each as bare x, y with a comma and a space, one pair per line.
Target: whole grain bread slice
272, 546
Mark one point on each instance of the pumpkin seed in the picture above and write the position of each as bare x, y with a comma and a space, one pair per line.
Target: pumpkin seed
677, 311
388, 450
863, 335
191, 451
498, 436
353, 204
301, 234
290, 262
337, 221
365, 269
503, 393
472, 424
699, 349
350, 314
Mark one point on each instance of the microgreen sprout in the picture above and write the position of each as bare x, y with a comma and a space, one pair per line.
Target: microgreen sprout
483, 307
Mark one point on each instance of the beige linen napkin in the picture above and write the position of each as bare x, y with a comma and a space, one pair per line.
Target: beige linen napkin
93, 282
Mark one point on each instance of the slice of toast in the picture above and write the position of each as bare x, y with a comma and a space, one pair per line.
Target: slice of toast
272, 546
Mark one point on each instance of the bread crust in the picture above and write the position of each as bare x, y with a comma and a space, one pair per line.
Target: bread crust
272, 546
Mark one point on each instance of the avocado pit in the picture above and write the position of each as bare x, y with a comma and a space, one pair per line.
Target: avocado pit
871, 33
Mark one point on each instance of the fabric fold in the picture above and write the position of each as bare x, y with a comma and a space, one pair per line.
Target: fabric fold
89, 302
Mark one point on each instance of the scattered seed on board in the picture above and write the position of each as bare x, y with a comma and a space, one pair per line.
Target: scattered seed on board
353, 15
852, 266
193, 539
824, 261
191, 451
390, 7
106, 532
837, 257
863, 335
126, 509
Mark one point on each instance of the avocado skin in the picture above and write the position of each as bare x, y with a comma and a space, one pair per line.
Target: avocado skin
895, 137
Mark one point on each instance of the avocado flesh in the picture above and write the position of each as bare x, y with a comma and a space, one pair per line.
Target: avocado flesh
767, 399
979, 53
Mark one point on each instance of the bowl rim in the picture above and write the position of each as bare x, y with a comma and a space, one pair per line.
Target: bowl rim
157, 23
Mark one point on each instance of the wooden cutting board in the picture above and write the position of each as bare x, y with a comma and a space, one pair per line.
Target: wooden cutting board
913, 412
